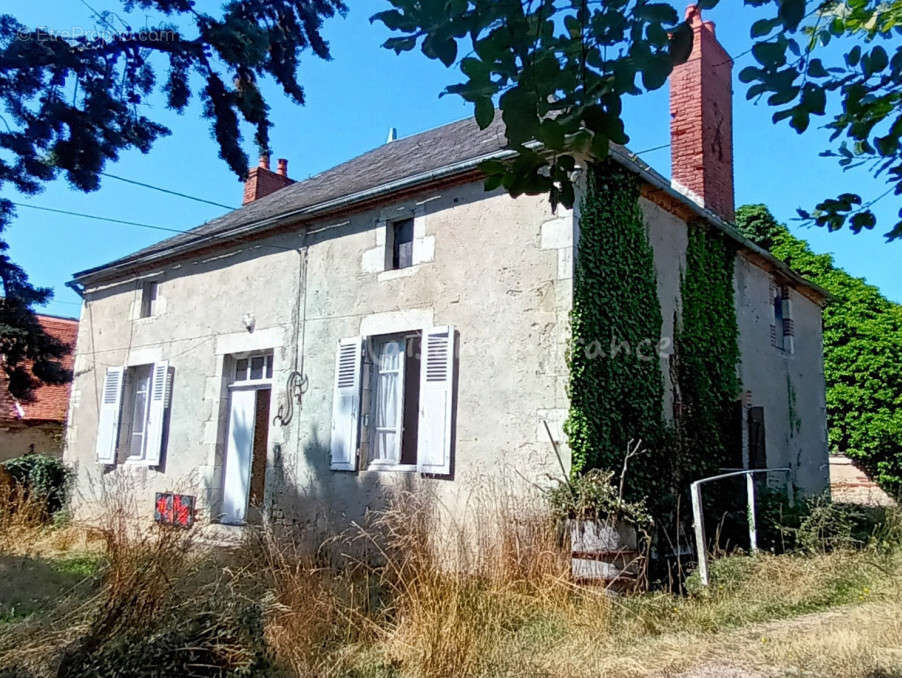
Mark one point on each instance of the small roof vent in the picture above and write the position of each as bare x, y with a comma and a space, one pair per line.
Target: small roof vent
392, 135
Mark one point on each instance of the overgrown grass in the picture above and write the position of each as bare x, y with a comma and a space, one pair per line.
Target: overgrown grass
397, 597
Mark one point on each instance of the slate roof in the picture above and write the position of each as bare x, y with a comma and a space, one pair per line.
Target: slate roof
421, 153
51, 401
445, 151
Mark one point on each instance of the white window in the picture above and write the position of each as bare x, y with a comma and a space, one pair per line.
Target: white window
255, 368
136, 409
391, 413
392, 403
133, 413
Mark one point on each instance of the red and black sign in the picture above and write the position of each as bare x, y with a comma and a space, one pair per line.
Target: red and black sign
174, 509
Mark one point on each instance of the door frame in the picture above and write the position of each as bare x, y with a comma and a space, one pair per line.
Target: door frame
261, 385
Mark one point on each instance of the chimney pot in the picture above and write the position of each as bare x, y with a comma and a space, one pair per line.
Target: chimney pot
261, 181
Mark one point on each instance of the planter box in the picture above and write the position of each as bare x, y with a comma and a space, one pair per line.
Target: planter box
604, 552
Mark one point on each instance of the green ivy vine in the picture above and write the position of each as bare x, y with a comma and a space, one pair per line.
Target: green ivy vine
616, 386
706, 357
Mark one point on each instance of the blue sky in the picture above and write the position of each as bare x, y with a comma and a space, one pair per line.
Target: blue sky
351, 103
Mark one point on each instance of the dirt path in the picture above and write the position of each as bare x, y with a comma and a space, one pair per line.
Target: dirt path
854, 640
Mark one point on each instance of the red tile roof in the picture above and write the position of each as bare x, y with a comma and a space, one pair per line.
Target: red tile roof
50, 401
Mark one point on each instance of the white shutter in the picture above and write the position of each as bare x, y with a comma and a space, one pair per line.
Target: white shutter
108, 421
346, 405
436, 393
159, 403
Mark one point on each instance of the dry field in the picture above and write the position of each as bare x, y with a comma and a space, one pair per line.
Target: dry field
120, 599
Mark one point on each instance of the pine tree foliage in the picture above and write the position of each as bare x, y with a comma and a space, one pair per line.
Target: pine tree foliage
862, 346
73, 104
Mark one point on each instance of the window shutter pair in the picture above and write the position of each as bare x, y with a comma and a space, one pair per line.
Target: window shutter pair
111, 407
435, 415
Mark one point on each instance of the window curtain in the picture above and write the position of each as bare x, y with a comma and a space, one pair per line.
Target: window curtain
386, 446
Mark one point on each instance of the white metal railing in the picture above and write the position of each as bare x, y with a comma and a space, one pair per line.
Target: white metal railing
698, 515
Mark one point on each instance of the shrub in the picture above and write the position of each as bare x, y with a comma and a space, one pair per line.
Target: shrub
43, 477
829, 526
593, 496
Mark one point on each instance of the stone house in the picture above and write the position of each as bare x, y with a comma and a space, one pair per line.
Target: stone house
389, 324
38, 425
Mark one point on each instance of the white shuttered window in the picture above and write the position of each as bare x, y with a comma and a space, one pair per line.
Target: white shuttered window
108, 423
393, 402
133, 413
436, 402
346, 405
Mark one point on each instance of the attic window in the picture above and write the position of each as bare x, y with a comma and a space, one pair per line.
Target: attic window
401, 234
148, 299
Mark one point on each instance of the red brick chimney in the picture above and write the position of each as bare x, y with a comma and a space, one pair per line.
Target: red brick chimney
701, 121
262, 181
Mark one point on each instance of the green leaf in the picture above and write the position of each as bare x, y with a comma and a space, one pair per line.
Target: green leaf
400, 44
763, 27
816, 69
769, 54
445, 50
875, 62
681, 39
392, 18
655, 73
658, 12
791, 12
750, 74
484, 112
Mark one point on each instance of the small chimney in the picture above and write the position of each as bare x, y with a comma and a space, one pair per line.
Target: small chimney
392, 135
262, 181
701, 121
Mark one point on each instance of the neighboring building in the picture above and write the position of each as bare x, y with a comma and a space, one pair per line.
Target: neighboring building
851, 484
388, 324
38, 425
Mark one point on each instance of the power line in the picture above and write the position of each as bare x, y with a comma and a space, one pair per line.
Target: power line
166, 190
97, 218
649, 150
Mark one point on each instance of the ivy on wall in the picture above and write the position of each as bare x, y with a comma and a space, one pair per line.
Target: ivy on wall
616, 386
706, 358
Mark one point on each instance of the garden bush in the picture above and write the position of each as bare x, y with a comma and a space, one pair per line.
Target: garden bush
44, 477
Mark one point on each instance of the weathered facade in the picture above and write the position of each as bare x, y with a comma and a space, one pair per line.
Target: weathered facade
388, 324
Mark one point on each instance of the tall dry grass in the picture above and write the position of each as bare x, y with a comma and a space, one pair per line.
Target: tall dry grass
22, 513
455, 581
424, 589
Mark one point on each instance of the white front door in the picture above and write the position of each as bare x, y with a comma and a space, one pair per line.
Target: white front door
239, 453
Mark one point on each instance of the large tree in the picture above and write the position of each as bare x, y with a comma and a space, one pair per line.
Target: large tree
559, 69
862, 345
73, 103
